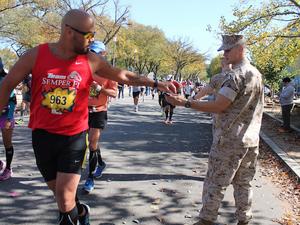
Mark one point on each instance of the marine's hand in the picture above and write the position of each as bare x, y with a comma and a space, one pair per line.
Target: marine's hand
176, 99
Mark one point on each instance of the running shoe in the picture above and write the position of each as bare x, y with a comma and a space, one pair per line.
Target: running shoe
19, 122
85, 220
89, 185
99, 170
2, 165
7, 173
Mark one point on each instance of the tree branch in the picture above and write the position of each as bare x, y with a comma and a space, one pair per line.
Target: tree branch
16, 6
286, 36
99, 3
295, 3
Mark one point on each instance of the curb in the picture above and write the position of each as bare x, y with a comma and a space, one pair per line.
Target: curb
279, 120
283, 156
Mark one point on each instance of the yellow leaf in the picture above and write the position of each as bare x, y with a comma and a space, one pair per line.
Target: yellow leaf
59, 99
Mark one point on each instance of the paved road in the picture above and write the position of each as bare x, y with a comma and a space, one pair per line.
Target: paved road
154, 175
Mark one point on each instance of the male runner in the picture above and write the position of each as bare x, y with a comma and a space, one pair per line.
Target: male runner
98, 102
61, 76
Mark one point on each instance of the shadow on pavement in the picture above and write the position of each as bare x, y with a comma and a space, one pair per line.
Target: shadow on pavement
154, 173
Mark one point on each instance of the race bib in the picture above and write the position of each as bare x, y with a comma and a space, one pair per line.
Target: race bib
59, 100
94, 93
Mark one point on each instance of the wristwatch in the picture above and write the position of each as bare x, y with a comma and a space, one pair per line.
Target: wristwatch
187, 104
98, 88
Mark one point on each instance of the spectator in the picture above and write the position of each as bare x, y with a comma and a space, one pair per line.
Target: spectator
120, 90
286, 102
100, 91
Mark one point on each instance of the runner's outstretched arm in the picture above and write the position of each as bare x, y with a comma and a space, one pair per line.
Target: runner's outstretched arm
104, 69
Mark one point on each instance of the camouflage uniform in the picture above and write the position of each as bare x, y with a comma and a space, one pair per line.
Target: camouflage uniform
217, 80
234, 151
216, 83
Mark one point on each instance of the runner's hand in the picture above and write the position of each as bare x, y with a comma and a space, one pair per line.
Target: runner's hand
166, 87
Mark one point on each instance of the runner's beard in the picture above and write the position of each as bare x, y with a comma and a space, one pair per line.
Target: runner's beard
81, 51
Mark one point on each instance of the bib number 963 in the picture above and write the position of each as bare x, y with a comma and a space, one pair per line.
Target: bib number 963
59, 100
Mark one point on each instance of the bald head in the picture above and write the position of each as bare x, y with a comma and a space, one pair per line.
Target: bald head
77, 18
77, 31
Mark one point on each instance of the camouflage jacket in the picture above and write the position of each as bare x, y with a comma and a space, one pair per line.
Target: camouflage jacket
240, 123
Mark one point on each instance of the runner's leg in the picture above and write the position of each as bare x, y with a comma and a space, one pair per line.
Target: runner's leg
7, 141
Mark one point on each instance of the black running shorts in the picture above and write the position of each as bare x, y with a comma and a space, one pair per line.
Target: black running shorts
58, 153
136, 94
26, 97
98, 120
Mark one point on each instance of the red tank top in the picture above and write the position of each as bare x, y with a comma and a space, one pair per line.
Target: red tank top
60, 90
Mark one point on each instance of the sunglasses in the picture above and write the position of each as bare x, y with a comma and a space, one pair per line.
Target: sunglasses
87, 35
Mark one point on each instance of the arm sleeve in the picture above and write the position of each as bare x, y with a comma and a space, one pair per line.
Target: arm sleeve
229, 89
213, 82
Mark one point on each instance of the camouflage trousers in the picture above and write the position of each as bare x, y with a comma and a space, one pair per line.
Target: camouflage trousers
229, 165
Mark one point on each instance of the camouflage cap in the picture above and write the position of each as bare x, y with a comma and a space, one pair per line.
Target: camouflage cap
230, 41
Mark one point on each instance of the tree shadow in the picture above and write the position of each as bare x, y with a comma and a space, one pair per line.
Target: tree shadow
154, 172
